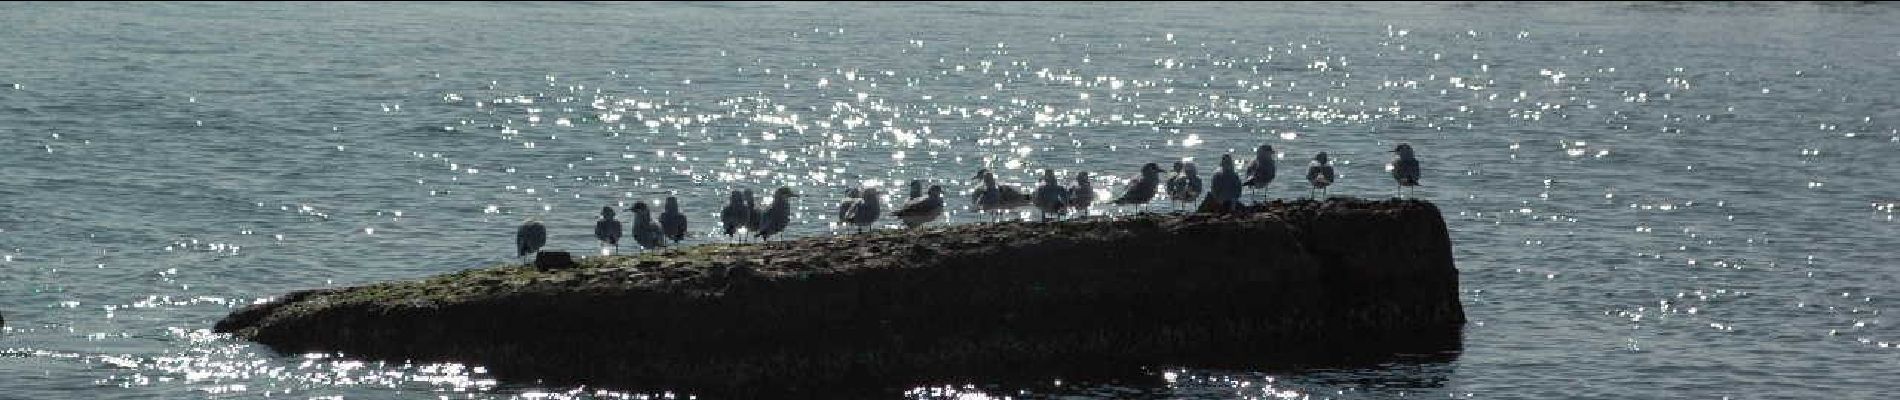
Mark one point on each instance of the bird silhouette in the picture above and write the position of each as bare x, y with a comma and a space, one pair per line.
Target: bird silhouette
530, 237
672, 221
993, 197
1223, 193
1142, 189
1185, 185
1320, 174
1404, 169
850, 202
865, 211
921, 211
916, 190
1051, 197
1082, 195
607, 230
645, 232
775, 218
733, 217
1260, 170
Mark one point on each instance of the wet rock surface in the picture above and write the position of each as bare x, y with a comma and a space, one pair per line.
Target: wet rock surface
1313, 279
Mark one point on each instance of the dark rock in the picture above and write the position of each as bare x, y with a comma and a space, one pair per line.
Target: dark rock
553, 260
808, 316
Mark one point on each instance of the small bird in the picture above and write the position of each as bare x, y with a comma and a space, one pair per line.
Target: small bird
865, 211
991, 197
607, 230
736, 213
1320, 174
1223, 194
921, 211
851, 198
1082, 195
673, 222
1260, 170
1185, 186
1404, 169
916, 189
530, 238
1051, 197
645, 232
1143, 189
775, 218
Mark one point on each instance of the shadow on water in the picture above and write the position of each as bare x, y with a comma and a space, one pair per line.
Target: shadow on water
1420, 359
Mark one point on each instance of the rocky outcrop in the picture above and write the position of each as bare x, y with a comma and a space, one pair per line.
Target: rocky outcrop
813, 315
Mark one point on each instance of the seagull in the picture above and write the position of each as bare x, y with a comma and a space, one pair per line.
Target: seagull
1224, 193
851, 198
864, 212
774, 219
994, 197
1260, 171
916, 189
673, 222
1320, 174
736, 213
1142, 190
1082, 194
1185, 186
922, 210
1051, 197
530, 238
608, 229
1404, 169
645, 232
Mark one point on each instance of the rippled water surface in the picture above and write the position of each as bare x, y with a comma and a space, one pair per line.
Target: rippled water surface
1646, 200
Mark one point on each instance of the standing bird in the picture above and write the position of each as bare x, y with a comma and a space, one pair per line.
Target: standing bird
992, 197
645, 232
916, 190
1082, 194
1223, 194
1404, 169
1051, 197
922, 210
865, 211
1260, 170
1320, 174
607, 230
1143, 189
851, 198
736, 213
530, 238
775, 218
673, 222
1185, 185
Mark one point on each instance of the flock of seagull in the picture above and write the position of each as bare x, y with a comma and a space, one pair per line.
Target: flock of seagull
862, 206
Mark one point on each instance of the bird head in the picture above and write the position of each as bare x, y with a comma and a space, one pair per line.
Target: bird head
784, 192
1049, 175
672, 204
607, 212
869, 194
852, 192
1264, 151
1082, 177
1177, 166
639, 208
1321, 158
1150, 168
936, 191
1404, 150
1227, 161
